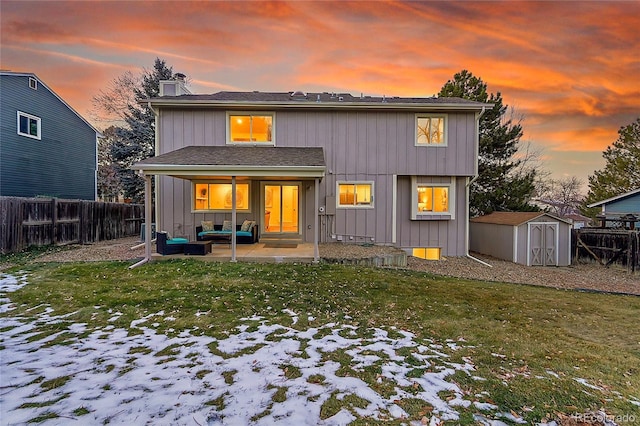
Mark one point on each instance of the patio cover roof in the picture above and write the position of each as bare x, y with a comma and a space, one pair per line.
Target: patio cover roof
192, 162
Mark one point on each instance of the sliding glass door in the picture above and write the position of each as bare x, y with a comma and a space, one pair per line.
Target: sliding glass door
281, 208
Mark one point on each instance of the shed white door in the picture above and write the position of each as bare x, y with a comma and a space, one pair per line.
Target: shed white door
543, 244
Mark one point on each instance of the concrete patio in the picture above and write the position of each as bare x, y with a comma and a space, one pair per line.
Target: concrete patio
260, 252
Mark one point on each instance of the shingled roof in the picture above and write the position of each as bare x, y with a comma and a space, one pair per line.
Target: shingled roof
317, 97
511, 218
317, 100
247, 160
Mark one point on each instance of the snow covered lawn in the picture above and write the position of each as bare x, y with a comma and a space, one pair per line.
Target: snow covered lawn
176, 351
261, 374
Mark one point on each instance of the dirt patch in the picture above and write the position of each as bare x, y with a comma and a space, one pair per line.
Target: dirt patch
589, 277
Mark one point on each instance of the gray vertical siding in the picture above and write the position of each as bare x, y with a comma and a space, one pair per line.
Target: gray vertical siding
493, 239
358, 146
449, 235
62, 163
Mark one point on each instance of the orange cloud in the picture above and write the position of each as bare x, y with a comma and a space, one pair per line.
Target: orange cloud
568, 67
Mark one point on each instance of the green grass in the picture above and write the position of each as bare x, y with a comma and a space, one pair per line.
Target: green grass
514, 334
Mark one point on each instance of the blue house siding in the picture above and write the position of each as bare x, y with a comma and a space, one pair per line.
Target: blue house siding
626, 205
62, 163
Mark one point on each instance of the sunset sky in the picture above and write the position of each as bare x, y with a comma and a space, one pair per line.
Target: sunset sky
570, 69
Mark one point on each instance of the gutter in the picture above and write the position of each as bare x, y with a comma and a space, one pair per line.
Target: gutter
469, 182
160, 102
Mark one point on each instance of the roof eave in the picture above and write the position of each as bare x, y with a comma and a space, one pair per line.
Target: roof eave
616, 198
218, 170
191, 103
30, 74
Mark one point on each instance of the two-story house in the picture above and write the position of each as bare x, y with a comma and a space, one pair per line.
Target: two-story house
317, 167
46, 147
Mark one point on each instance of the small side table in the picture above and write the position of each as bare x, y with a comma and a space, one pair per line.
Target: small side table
198, 248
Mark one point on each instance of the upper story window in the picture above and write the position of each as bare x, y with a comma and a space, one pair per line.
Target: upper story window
29, 125
432, 200
218, 196
355, 194
251, 128
33, 83
430, 130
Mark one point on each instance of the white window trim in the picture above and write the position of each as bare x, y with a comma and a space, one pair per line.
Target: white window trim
449, 215
444, 128
193, 196
355, 182
249, 143
33, 83
32, 117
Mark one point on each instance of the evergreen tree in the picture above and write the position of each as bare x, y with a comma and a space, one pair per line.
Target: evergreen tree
621, 172
502, 185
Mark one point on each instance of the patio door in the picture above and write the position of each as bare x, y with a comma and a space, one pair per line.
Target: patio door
281, 208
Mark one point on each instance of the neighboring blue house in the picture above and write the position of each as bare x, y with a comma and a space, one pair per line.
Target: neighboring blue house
46, 147
620, 205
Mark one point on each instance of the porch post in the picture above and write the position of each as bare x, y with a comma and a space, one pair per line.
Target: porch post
148, 210
147, 222
233, 218
316, 251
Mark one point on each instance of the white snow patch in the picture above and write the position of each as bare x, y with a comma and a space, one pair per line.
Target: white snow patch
587, 384
151, 378
9, 284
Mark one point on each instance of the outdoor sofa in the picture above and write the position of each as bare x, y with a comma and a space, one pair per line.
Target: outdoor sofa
246, 233
166, 245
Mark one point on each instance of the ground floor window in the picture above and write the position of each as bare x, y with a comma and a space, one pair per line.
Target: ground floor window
432, 200
355, 194
428, 253
218, 196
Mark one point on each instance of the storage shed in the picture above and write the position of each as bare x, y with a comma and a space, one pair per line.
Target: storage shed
528, 238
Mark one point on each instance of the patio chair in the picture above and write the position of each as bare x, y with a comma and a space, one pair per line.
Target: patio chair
166, 245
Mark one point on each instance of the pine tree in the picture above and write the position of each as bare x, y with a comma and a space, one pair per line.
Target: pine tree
501, 184
621, 172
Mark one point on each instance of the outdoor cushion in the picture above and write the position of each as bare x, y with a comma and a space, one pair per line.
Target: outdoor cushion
200, 234
177, 241
238, 233
207, 225
246, 226
226, 225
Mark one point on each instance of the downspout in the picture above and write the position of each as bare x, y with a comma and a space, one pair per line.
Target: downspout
468, 185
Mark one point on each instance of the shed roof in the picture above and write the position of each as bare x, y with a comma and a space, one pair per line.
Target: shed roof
512, 218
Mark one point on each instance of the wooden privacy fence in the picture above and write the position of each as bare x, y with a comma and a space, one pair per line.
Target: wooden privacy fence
607, 246
28, 222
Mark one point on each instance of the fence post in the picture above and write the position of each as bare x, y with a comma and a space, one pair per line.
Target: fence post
81, 232
54, 221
